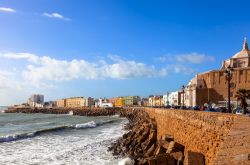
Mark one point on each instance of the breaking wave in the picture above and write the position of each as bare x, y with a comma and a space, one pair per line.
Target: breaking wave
91, 124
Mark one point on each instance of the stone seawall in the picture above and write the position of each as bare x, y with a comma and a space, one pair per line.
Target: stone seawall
221, 138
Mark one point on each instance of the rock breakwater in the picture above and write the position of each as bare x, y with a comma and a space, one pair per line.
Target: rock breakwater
86, 111
140, 142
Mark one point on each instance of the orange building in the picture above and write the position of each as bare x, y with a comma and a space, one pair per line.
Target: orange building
61, 103
119, 102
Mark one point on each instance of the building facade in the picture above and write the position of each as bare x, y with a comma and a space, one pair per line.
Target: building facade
61, 103
36, 100
131, 101
174, 98
75, 102
166, 100
155, 101
211, 87
103, 102
144, 102
89, 102
112, 100
119, 102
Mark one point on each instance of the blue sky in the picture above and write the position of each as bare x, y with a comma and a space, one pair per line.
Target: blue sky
107, 48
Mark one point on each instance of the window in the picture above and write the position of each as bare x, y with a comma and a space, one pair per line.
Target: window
241, 72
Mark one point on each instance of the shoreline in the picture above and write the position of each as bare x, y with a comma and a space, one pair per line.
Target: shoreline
85, 111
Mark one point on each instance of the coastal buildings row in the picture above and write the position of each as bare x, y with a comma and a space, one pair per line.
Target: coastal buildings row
75, 102
101, 102
37, 100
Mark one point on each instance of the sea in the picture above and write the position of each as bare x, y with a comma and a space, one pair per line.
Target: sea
36, 139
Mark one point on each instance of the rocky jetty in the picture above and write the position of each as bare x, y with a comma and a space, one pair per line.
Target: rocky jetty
85, 111
140, 142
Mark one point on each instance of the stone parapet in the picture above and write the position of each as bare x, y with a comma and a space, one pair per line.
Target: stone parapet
221, 138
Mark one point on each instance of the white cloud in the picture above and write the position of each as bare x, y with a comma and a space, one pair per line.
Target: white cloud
128, 69
6, 9
7, 81
183, 69
6, 73
195, 58
44, 68
55, 15
26, 56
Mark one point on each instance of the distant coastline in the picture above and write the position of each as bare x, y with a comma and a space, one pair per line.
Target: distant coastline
3, 108
84, 111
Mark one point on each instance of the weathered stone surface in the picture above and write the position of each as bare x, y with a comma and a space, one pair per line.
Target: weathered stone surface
194, 158
150, 151
159, 150
171, 160
161, 160
167, 138
151, 161
174, 147
178, 156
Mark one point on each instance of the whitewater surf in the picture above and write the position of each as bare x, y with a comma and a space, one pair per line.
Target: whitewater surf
58, 139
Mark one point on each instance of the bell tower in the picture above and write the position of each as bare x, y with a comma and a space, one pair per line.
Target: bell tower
245, 45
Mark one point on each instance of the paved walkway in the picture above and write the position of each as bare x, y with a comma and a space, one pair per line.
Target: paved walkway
235, 149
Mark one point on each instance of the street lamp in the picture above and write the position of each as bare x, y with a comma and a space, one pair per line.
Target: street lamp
183, 90
229, 74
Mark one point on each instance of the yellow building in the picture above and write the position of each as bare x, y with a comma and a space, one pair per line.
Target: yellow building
119, 102
75, 102
155, 101
61, 103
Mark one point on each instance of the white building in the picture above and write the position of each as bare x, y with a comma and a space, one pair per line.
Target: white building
173, 98
103, 103
36, 100
190, 91
166, 99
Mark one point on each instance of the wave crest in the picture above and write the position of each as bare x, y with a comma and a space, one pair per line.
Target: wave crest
91, 124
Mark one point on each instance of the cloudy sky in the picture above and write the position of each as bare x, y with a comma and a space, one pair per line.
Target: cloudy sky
110, 48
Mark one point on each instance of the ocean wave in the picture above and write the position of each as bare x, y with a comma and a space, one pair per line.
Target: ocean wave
91, 124
10, 138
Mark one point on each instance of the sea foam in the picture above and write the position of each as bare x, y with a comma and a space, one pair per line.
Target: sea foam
126, 161
91, 124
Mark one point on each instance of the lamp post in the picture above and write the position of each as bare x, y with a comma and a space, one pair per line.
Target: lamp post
183, 90
229, 74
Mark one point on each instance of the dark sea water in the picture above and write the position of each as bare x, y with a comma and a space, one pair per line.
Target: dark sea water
58, 139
